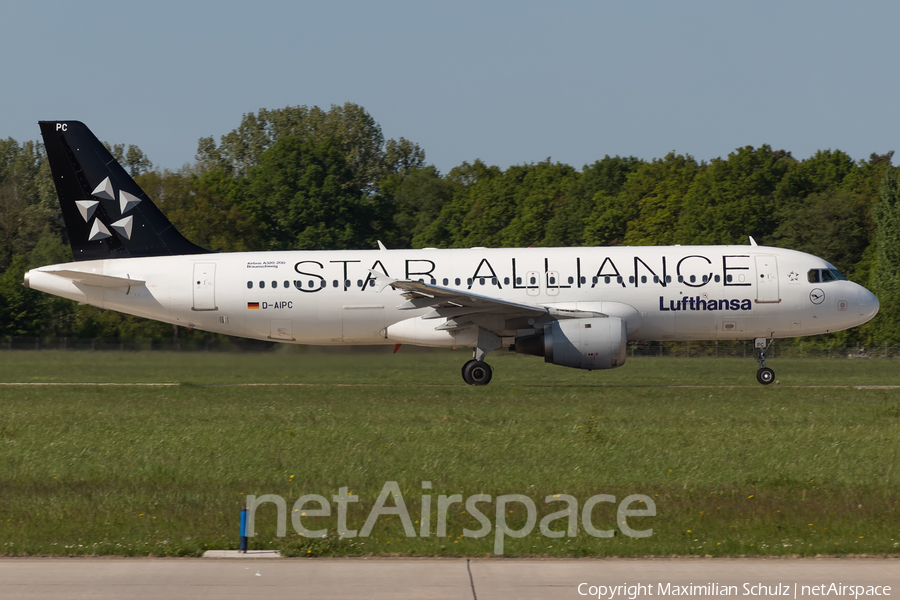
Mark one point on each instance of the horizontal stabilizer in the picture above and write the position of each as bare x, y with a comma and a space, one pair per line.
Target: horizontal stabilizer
96, 280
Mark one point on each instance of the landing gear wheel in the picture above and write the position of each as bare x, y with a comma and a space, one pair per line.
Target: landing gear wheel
463, 370
765, 376
477, 372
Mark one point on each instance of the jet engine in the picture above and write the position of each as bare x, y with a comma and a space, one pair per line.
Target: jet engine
595, 343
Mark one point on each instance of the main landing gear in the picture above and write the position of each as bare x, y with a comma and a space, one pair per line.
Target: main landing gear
477, 372
764, 375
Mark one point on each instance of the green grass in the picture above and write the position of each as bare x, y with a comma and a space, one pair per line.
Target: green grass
377, 365
734, 468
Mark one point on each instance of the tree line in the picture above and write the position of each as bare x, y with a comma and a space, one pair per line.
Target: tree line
302, 178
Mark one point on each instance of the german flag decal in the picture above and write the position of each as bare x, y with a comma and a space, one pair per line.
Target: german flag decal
253, 305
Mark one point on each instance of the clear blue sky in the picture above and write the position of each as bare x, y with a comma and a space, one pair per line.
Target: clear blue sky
507, 82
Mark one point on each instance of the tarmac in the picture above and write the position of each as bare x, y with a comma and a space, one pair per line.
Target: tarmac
272, 577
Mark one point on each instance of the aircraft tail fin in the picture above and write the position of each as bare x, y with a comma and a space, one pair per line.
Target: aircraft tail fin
107, 215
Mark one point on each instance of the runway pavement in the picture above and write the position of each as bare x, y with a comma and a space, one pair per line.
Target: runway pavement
460, 579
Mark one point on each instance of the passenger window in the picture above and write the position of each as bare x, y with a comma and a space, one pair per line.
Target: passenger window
249, 285
287, 284
274, 285
469, 281
334, 283
571, 280
312, 283
680, 279
481, 281
607, 280
705, 278
457, 281
717, 278
729, 278
693, 278
668, 279
631, 279
262, 284
619, 279
553, 281
643, 279
446, 281
506, 281
518, 281
493, 281
584, 280
533, 281
433, 281
655, 279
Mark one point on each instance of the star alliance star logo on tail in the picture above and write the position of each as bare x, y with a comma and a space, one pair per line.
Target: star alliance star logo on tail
99, 230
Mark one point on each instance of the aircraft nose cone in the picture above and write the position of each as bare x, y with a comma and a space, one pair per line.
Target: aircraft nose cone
868, 305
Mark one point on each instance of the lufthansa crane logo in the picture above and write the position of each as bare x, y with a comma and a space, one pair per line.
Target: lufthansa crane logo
817, 296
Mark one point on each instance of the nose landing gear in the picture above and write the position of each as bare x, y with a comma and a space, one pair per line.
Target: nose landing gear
764, 375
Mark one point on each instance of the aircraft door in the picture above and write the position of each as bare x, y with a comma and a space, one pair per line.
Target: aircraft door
532, 283
767, 279
204, 285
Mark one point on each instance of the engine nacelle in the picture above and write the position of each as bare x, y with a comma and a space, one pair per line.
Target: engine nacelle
597, 343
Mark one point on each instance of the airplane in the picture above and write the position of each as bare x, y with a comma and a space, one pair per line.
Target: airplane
575, 307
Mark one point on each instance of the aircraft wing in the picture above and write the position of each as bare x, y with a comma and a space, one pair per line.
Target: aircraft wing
449, 303
95, 279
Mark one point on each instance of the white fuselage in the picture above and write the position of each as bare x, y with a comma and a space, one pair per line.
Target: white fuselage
329, 297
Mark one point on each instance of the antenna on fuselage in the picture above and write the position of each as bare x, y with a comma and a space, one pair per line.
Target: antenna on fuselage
752, 241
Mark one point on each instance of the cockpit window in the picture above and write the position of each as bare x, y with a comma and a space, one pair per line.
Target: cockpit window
824, 275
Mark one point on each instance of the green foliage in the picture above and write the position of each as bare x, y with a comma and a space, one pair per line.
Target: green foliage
357, 136
417, 198
16, 318
133, 158
650, 202
28, 204
834, 223
588, 191
887, 240
733, 198
302, 194
309, 178
494, 208
207, 207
